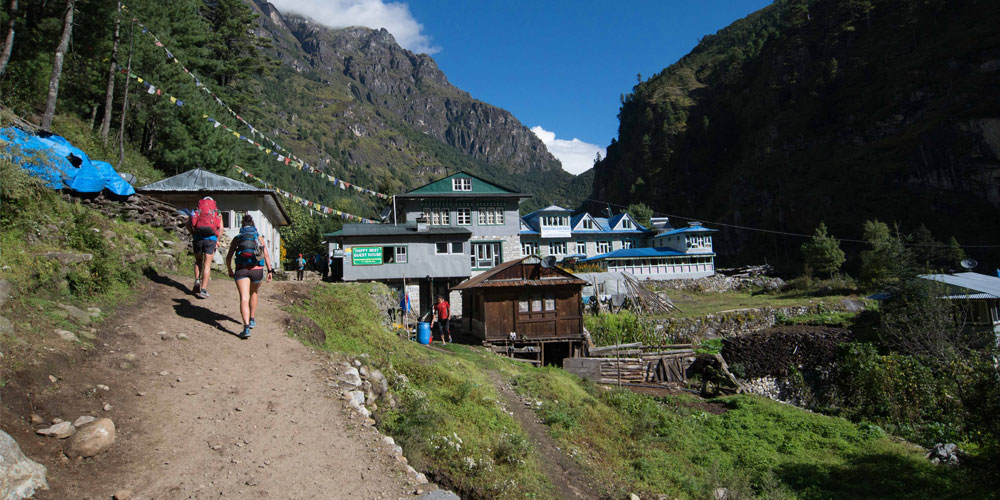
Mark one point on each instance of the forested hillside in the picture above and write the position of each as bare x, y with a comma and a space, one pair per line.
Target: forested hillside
822, 110
349, 103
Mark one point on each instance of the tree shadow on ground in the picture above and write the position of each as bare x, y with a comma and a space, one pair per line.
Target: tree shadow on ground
185, 309
881, 475
161, 279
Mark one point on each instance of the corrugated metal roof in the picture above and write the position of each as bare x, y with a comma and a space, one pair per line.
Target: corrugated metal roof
645, 252
409, 229
443, 187
982, 283
689, 229
200, 180
483, 280
970, 296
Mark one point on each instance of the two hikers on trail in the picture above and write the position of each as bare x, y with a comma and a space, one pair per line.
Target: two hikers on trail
205, 225
252, 260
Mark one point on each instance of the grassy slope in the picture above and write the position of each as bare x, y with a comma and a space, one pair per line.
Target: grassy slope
37, 220
629, 442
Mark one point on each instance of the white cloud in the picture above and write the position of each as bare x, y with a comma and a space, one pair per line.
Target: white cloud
393, 16
576, 156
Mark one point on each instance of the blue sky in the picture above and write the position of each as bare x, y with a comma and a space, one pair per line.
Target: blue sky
558, 66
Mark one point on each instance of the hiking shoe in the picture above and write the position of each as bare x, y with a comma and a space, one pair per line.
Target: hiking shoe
203, 294
245, 334
252, 323
197, 287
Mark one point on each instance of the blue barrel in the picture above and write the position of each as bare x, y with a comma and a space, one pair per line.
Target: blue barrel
424, 332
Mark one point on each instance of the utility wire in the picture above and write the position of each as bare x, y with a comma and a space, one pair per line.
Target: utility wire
785, 233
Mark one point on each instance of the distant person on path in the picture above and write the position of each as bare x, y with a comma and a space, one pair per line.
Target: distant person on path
205, 225
300, 266
252, 260
442, 317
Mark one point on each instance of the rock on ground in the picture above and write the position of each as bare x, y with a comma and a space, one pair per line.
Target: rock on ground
20, 477
60, 430
91, 439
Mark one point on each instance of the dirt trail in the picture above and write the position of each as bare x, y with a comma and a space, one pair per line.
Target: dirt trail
570, 482
211, 415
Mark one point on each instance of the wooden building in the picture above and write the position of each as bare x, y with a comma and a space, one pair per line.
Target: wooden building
525, 310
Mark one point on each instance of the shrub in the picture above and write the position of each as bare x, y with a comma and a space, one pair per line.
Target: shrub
622, 327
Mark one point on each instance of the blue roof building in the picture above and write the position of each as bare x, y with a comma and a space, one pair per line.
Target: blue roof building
557, 232
683, 253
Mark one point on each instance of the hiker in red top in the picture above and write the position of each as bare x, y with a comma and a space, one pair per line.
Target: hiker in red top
442, 317
205, 226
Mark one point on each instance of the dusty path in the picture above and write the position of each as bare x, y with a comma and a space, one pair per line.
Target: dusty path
210, 415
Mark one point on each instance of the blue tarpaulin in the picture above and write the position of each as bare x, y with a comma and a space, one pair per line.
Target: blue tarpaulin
54, 159
112, 181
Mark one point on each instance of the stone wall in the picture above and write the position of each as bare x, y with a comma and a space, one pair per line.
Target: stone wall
137, 208
738, 322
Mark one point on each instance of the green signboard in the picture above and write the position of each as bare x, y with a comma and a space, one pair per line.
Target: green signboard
366, 256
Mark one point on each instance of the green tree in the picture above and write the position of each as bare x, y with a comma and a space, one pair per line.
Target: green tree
641, 213
822, 252
886, 260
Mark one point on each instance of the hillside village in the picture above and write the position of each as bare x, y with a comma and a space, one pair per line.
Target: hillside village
443, 328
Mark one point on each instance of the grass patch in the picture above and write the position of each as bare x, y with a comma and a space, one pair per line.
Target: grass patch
451, 424
636, 443
841, 319
449, 419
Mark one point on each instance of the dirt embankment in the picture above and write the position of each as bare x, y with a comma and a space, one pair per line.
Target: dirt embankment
201, 413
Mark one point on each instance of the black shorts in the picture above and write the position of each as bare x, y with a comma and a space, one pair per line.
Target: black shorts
444, 326
204, 246
254, 275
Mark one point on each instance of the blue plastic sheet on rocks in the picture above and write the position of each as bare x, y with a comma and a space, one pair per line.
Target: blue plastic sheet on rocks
60, 164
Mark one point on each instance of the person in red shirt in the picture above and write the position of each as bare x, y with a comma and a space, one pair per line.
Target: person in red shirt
442, 317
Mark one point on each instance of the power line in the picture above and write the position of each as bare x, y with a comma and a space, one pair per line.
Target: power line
785, 233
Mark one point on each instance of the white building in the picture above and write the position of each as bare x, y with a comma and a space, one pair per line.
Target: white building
234, 199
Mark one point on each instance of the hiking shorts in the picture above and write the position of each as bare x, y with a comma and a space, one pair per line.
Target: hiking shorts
204, 246
255, 275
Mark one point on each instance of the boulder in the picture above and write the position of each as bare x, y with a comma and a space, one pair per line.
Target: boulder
91, 439
62, 430
84, 419
20, 477
76, 314
67, 335
351, 377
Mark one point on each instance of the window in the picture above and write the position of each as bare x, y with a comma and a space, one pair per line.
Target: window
461, 184
557, 248
550, 303
437, 216
226, 218
485, 255
536, 304
555, 221
449, 248
588, 223
627, 223
628, 243
603, 247
522, 306
581, 247
529, 248
394, 255
463, 216
489, 216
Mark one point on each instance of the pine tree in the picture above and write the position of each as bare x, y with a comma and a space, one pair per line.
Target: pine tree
57, 64
8, 43
822, 252
886, 260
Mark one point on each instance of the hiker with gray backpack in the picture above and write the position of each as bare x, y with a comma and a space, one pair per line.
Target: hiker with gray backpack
252, 260
205, 225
